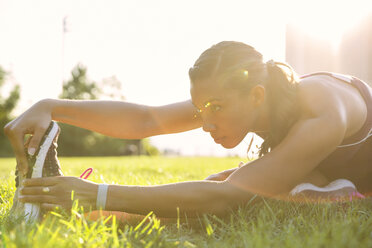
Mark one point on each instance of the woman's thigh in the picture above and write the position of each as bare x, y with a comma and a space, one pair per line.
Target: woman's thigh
362, 163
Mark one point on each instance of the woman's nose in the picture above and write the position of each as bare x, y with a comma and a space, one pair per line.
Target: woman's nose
208, 127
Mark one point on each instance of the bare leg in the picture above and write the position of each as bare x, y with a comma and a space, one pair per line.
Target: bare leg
316, 178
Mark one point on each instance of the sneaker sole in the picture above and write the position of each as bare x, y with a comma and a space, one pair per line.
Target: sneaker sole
32, 210
337, 188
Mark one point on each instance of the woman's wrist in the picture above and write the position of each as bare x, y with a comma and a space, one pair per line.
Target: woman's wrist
53, 106
93, 196
62, 110
101, 198
46, 106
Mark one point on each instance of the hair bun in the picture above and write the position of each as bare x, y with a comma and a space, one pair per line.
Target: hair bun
271, 63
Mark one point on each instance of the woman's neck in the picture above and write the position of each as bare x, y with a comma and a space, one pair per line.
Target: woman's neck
263, 121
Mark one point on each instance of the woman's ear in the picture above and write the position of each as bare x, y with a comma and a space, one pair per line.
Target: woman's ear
257, 95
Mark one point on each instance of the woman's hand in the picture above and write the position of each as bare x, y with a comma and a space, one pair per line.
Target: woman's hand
221, 176
52, 192
217, 177
34, 121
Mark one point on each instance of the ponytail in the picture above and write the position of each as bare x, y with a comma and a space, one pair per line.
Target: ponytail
282, 95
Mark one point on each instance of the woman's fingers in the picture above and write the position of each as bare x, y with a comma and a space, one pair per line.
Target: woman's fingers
38, 190
33, 121
16, 136
38, 199
58, 190
41, 181
35, 140
50, 206
216, 177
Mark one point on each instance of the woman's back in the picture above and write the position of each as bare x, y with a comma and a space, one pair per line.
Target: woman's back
352, 159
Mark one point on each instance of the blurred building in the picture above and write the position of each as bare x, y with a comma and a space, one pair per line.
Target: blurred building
353, 56
355, 51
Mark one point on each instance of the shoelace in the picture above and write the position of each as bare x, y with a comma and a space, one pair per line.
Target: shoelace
87, 172
352, 196
356, 195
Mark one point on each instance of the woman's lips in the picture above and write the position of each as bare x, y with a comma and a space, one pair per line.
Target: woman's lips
219, 140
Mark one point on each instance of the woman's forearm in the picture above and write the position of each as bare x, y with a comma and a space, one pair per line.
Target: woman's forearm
113, 118
123, 119
191, 198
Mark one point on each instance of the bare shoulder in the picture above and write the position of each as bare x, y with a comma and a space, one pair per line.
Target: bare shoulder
317, 96
323, 96
175, 117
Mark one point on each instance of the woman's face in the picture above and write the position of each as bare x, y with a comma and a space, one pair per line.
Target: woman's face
227, 114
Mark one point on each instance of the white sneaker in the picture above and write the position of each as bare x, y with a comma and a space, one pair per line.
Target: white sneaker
43, 164
339, 189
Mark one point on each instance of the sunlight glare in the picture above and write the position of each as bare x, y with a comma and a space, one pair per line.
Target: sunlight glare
329, 20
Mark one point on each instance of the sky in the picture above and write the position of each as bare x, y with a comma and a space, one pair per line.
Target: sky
150, 45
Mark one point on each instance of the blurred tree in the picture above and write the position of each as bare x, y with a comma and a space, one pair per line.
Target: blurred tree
76, 141
79, 87
110, 88
149, 149
7, 105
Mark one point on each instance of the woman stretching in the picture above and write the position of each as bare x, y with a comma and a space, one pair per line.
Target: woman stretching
315, 129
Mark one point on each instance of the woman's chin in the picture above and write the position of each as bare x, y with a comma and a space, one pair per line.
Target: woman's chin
228, 145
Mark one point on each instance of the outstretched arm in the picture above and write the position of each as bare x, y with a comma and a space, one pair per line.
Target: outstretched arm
126, 120
308, 142
190, 198
113, 118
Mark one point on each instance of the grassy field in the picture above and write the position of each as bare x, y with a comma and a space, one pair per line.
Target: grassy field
267, 223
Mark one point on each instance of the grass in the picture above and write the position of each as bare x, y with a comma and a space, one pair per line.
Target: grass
266, 223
